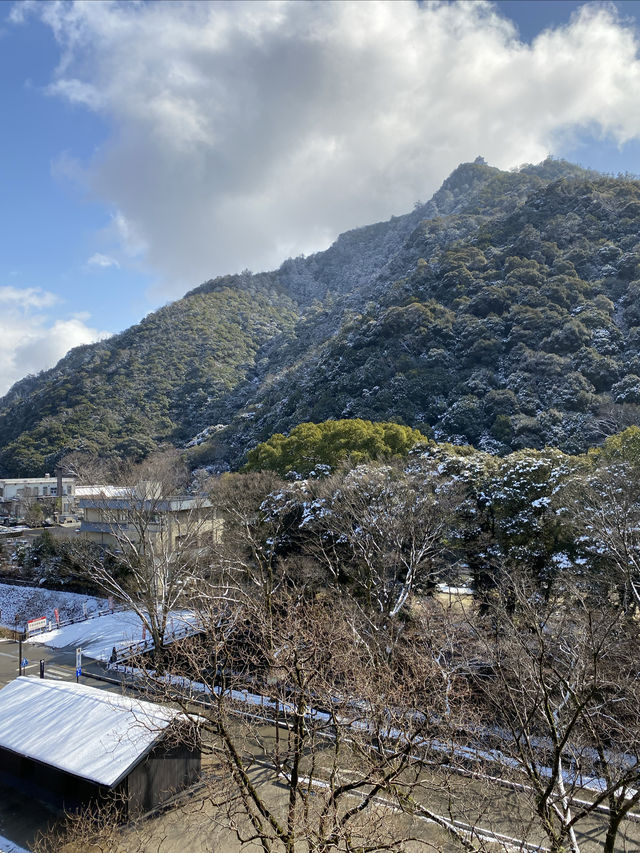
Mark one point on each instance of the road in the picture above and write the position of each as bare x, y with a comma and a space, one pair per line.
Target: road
58, 663
478, 801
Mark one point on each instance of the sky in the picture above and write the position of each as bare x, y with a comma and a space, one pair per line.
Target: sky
146, 147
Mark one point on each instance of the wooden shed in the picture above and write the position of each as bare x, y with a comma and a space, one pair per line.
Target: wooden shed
68, 744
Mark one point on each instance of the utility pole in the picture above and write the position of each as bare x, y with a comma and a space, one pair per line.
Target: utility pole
22, 662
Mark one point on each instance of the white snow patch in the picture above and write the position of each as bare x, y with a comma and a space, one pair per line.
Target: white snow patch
91, 733
7, 846
454, 590
541, 502
97, 637
28, 602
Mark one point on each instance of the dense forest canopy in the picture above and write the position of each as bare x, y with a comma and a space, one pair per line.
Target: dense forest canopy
323, 446
503, 313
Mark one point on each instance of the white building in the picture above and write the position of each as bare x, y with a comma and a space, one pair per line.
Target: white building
57, 494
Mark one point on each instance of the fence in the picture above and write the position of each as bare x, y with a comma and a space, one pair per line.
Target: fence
125, 653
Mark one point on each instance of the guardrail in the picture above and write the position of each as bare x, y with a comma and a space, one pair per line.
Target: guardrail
126, 653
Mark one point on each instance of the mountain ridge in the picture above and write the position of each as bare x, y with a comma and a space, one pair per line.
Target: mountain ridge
417, 319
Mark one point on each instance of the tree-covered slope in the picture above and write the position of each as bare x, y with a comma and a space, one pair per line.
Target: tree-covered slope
524, 333
155, 382
503, 312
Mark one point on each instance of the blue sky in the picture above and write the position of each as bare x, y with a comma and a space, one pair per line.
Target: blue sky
146, 147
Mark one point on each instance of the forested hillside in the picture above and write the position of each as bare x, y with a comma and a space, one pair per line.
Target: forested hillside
503, 313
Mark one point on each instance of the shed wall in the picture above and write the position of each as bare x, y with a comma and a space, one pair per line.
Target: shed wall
163, 772
46, 783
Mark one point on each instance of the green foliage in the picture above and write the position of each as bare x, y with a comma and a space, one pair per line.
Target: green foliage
535, 305
161, 381
503, 313
330, 443
623, 447
497, 517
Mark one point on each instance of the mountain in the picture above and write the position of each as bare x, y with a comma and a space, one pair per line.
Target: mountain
504, 312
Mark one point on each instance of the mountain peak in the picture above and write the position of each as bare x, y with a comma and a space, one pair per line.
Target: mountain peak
494, 314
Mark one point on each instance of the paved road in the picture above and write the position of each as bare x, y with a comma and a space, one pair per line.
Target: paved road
58, 663
497, 807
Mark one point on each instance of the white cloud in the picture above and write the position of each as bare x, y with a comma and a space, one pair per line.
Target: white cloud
241, 128
102, 261
31, 340
20, 11
27, 298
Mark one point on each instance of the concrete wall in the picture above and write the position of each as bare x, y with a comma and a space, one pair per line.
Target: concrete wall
112, 527
15, 494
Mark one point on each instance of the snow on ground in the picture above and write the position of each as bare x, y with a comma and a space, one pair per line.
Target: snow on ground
21, 603
97, 637
471, 754
7, 846
454, 590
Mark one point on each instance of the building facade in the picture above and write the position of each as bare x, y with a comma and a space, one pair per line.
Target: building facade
121, 518
54, 495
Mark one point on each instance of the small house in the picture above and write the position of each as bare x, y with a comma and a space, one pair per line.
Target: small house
70, 744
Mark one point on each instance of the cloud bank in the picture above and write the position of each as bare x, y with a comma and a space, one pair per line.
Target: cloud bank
30, 340
245, 132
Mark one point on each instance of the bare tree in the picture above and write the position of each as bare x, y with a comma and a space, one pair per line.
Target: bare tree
155, 544
258, 529
33, 511
89, 469
318, 740
96, 828
560, 688
604, 506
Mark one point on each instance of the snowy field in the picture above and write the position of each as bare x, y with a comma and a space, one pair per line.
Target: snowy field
97, 637
21, 603
7, 846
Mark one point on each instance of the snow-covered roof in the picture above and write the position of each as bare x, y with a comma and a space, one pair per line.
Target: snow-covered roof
82, 730
123, 499
101, 491
47, 479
